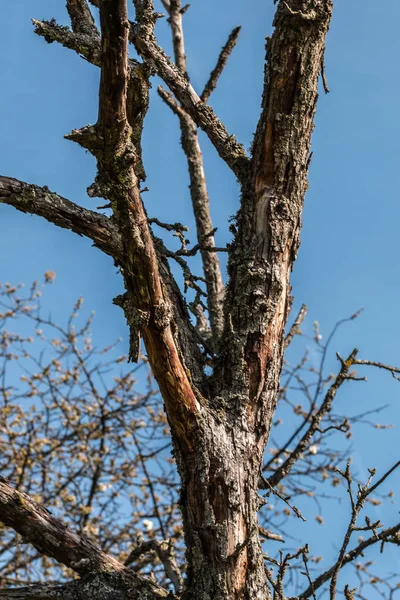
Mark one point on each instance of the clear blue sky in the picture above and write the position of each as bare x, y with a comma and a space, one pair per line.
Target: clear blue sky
350, 241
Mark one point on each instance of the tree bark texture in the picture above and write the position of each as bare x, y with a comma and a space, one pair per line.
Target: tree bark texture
219, 423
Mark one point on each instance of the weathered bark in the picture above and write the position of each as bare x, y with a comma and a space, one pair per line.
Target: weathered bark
33, 199
49, 535
95, 586
219, 504
103, 576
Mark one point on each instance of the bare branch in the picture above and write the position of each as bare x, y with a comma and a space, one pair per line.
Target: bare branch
198, 185
295, 328
221, 62
395, 371
391, 535
29, 198
226, 145
85, 44
315, 420
82, 20
165, 553
266, 485
270, 535
372, 488
171, 102
175, 20
49, 535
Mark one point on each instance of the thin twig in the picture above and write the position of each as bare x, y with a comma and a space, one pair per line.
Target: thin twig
295, 328
285, 500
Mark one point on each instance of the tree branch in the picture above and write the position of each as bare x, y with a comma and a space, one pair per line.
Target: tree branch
226, 145
391, 535
45, 591
221, 62
295, 328
85, 43
315, 419
49, 535
165, 552
32, 199
81, 17
95, 586
174, 9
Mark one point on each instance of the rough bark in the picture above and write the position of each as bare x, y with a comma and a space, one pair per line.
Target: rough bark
32, 199
49, 535
269, 220
219, 506
103, 576
99, 586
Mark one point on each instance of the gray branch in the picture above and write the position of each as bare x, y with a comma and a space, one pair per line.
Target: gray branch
41, 201
85, 44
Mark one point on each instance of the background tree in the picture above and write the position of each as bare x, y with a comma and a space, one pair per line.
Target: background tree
77, 437
219, 379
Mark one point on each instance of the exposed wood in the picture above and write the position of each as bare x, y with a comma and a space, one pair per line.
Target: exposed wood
99, 586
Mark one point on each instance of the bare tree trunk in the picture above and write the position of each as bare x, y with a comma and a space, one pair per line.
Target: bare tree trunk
220, 424
219, 506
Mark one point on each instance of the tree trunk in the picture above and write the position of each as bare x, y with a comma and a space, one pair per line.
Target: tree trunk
219, 503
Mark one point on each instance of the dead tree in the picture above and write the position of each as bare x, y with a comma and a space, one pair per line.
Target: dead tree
219, 379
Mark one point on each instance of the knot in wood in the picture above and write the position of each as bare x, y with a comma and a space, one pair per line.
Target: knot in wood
162, 315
